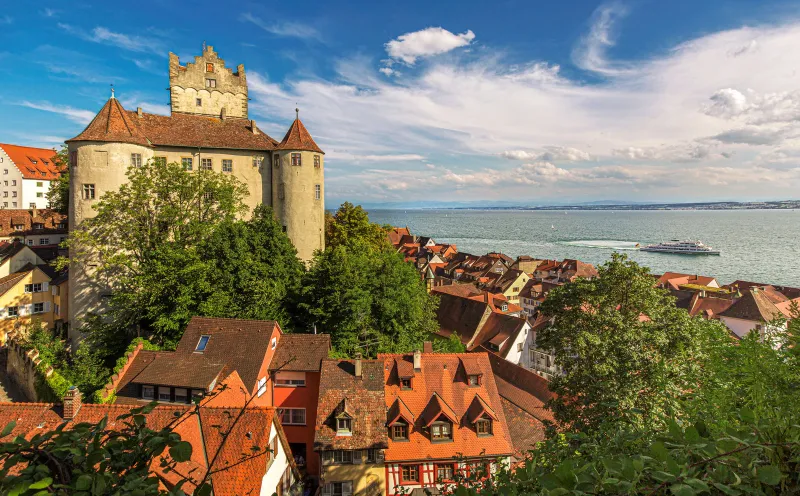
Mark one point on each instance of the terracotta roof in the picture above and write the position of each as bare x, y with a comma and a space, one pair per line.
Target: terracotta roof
462, 290
115, 124
33, 163
525, 429
497, 329
708, 307
441, 386
398, 411
755, 306
364, 397
405, 367
20, 222
525, 389
479, 408
786, 307
298, 138
301, 352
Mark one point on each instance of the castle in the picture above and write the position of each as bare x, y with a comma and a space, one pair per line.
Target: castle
208, 129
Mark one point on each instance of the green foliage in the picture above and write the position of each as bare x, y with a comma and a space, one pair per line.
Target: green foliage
627, 352
369, 301
350, 225
91, 458
58, 195
452, 344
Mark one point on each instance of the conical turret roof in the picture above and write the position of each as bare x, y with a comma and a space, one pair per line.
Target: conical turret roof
113, 124
298, 138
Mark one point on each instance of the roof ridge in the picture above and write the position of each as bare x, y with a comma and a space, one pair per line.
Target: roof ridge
26, 403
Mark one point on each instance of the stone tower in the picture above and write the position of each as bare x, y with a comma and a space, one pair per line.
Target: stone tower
207, 87
298, 189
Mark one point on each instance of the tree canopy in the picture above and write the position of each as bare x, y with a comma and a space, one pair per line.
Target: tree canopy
58, 194
350, 225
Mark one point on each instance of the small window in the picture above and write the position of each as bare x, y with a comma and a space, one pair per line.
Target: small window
5, 194
39, 194
148, 392
88, 191
38, 226
13, 182
317, 191
274, 343
186, 162
276, 160
44, 241
209, 67
296, 159
39, 184
164, 394
474, 380
399, 432
136, 159
444, 472
162, 161
344, 425
292, 416
198, 102
441, 431
206, 164
5, 204
211, 83
227, 165
201, 345
181, 395
5, 171
519, 346
38, 308
372, 455
262, 386
13, 194
257, 161
405, 383
30, 241
342, 456
483, 427
410, 473
316, 161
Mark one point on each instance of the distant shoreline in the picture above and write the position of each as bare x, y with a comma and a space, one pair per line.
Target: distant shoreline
774, 205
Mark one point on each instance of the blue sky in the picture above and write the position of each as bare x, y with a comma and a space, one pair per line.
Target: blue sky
414, 101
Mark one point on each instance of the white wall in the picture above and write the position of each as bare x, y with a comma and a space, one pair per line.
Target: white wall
517, 356
270, 481
13, 174
31, 188
742, 327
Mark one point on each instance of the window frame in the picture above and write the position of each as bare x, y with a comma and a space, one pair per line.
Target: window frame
206, 164
211, 83
291, 412
441, 426
489, 430
410, 468
343, 431
297, 159
444, 466
317, 192
185, 395
403, 427
204, 339
187, 163
211, 65
227, 165
88, 191
136, 159
317, 161
343, 459
161, 390
152, 390
39, 305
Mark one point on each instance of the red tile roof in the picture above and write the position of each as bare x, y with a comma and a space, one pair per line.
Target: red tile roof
33, 163
12, 219
117, 125
525, 389
755, 306
301, 352
298, 138
442, 382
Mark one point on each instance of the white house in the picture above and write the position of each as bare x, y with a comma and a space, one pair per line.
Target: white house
26, 175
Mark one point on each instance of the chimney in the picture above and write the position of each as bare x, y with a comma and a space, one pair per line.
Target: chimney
358, 364
417, 361
139, 112
427, 347
72, 403
222, 114
253, 126
34, 211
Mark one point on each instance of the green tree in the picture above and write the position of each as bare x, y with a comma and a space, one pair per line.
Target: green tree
452, 344
350, 225
627, 352
369, 301
58, 195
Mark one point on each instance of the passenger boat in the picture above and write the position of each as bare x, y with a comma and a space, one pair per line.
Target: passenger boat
682, 248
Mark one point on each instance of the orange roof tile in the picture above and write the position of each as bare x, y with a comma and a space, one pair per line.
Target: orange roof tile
33, 163
298, 138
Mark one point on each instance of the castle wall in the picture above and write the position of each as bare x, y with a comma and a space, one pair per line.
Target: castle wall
296, 206
191, 82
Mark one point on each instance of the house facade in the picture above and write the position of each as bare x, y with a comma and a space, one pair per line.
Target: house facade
26, 176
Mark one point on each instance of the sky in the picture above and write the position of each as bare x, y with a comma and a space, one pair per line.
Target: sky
524, 101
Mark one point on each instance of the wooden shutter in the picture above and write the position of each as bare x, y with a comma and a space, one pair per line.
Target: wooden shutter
46, 306
357, 457
45, 286
347, 488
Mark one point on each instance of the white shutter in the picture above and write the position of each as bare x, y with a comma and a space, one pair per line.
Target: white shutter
23, 310
46, 306
347, 489
53, 290
45, 286
3, 312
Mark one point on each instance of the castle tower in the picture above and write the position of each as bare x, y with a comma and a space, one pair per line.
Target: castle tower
298, 189
207, 87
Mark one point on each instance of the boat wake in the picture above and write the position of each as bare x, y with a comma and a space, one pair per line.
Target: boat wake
605, 244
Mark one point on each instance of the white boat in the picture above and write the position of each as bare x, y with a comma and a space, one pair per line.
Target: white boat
681, 247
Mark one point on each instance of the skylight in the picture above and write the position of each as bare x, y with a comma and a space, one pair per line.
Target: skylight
201, 345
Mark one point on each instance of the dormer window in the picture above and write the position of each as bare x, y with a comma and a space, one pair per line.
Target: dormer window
38, 226
405, 384
483, 427
344, 426
441, 431
399, 431
474, 380
504, 308
201, 345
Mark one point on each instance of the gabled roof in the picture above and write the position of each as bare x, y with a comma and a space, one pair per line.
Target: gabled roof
506, 280
12, 219
436, 408
404, 367
525, 389
364, 397
301, 352
461, 315
33, 163
471, 365
479, 408
754, 306
398, 411
458, 290
116, 125
298, 138
497, 329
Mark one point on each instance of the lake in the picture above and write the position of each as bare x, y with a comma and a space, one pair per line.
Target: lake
756, 245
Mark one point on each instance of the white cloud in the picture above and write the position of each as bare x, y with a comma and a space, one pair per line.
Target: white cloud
673, 153
286, 29
425, 43
47, 12
754, 108
752, 136
105, 36
550, 154
387, 71
130, 101
77, 115
591, 52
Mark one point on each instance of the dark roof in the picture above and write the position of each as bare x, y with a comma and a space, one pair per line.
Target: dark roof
506, 280
497, 329
525, 429
191, 371
364, 397
523, 388
9, 249
755, 306
298, 138
460, 315
115, 124
301, 352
